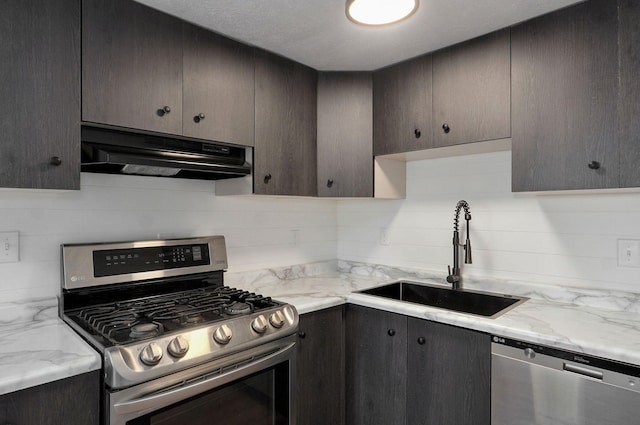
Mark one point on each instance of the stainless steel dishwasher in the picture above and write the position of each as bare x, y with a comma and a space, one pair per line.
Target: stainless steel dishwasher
537, 385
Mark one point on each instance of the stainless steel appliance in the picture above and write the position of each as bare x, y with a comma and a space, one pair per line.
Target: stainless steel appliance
177, 345
537, 385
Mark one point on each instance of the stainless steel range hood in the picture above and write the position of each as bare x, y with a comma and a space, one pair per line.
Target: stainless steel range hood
119, 152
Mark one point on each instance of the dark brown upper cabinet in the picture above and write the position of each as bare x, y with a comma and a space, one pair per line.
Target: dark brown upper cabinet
218, 92
131, 66
471, 91
40, 91
345, 135
565, 98
285, 157
629, 92
145, 70
402, 114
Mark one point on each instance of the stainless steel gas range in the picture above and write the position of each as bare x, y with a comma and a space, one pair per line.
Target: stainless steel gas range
177, 345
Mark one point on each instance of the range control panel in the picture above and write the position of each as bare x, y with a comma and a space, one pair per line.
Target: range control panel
113, 262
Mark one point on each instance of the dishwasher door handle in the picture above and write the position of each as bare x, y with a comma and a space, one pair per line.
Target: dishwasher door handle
583, 371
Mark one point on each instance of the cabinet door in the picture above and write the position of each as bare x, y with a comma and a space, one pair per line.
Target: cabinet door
449, 382
629, 101
345, 138
376, 364
285, 141
565, 84
218, 88
131, 66
40, 91
71, 401
402, 107
471, 91
320, 368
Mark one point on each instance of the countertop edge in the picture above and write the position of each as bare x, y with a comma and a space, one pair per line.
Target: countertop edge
59, 353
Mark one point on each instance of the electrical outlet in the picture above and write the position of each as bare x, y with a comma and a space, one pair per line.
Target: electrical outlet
9, 247
628, 252
384, 236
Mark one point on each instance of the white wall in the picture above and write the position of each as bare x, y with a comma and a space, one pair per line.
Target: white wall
258, 230
562, 239
569, 240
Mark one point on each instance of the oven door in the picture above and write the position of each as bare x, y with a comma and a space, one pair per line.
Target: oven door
252, 387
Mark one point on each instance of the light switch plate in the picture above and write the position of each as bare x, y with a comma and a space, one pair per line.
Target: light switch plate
9, 247
384, 236
629, 252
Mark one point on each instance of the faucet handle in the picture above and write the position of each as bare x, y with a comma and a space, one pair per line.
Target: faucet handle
450, 276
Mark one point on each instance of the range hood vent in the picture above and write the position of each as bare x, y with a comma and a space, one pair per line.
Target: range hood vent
120, 152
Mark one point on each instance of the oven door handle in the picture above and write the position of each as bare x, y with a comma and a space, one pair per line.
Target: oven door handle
152, 401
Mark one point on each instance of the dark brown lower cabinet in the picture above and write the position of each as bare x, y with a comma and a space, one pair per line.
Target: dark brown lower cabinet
320, 368
449, 375
376, 367
70, 401
409, 371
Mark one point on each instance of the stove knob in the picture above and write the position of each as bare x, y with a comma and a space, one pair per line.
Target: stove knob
259, 324
178, 346
277, 319
151, 354
223, 335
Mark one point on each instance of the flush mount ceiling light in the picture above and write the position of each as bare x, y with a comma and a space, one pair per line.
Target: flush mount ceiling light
380, 12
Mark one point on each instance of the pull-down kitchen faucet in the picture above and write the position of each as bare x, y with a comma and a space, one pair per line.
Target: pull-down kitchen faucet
454, 278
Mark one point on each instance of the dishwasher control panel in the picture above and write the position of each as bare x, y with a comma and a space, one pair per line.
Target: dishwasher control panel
530, 351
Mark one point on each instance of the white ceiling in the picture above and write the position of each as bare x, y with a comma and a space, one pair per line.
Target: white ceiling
318, 34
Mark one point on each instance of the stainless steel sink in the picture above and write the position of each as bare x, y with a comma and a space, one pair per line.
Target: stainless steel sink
464, 301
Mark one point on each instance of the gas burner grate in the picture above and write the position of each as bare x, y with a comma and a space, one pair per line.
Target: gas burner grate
126, 321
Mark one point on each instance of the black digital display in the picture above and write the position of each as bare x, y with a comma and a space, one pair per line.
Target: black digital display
113, 262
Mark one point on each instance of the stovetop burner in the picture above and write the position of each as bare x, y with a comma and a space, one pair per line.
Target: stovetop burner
122, 322
238, 308
145, 330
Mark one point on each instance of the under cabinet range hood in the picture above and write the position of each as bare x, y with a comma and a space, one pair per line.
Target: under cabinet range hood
120, 152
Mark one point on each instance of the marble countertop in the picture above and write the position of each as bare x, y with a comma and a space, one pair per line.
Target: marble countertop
600, 324
36, 347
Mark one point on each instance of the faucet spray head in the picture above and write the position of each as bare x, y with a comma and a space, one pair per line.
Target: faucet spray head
467, 243
467, 252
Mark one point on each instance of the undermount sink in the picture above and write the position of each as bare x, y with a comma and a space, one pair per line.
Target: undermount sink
464, 301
